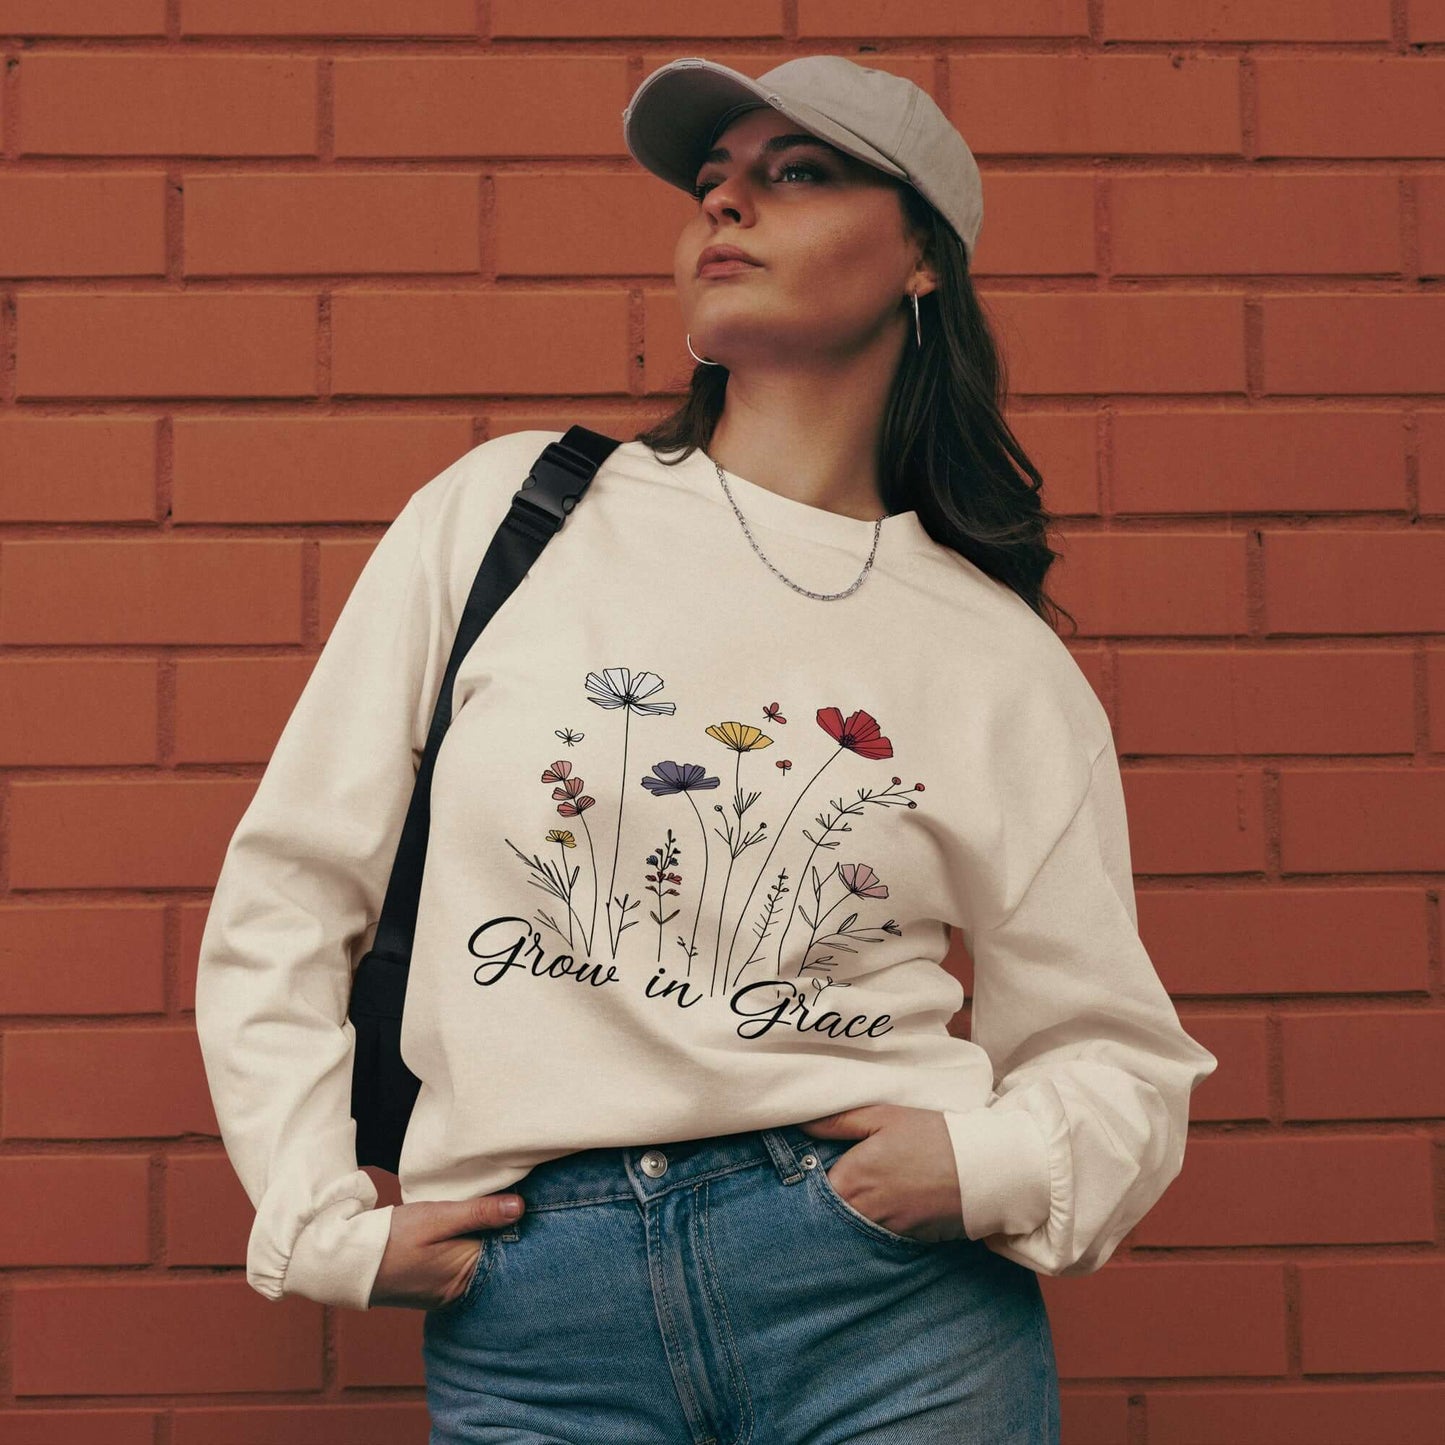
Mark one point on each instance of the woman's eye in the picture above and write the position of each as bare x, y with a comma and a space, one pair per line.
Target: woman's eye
703, 187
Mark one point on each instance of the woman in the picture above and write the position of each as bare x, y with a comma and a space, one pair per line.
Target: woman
676, 985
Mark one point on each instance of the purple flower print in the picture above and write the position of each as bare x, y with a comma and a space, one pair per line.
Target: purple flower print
667, 779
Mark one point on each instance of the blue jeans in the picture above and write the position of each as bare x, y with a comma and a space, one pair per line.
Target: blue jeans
720, 1291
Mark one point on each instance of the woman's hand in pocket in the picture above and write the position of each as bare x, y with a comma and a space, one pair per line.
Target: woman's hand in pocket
432, 1249
901, 1173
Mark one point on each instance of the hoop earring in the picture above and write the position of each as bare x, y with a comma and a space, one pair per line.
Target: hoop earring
917, 328
696, 357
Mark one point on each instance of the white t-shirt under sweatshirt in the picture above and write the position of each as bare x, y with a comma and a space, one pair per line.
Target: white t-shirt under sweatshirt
695, 838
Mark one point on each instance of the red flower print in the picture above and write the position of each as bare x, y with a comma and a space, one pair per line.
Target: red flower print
859, 733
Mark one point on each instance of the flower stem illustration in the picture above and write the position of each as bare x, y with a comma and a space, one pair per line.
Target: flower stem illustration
671, 777
858, 733
663, 860
620, 687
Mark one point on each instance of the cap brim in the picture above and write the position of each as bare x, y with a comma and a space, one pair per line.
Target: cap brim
675, 112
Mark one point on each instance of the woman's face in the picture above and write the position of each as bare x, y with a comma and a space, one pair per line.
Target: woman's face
828, 232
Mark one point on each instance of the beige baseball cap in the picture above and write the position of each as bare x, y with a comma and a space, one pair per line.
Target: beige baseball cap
880, 118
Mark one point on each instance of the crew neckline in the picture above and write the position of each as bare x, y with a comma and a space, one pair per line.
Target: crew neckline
764, 507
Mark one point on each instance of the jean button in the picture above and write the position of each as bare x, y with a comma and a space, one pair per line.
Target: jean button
654, 1163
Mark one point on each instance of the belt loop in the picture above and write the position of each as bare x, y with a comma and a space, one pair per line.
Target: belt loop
785, 1160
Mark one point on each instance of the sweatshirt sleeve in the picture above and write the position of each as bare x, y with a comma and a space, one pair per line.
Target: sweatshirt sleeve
293, 909
1093, 1071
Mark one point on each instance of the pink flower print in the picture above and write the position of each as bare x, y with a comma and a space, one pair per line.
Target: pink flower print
859, 878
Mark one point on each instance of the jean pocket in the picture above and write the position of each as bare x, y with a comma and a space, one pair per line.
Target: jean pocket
475, 1281
818, 1170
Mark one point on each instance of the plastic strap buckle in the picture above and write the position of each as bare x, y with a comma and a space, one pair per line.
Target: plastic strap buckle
550, 489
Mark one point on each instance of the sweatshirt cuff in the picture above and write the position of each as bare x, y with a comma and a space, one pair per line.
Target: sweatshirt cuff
1002, 1160
338, 1253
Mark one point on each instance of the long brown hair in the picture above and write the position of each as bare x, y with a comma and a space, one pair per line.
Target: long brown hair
947, 450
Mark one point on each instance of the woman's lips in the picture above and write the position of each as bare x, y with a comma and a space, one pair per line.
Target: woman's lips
725, 268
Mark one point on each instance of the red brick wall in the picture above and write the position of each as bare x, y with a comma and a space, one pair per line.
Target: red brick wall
270, 264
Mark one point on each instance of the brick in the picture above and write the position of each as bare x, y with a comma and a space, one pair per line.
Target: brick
1425, 21
1269, 699
105, 1083
1364, 1064
1378, 1317
1361, 820
427, 343
1360, 345
161, 1337
1097, 104
1239, 1088
344, 19
1430, 223
340, 566
1366, 581
1039, 224
232, 709
1306, 459
666, 364
77, 469
1435, 696
160, 832
87, 958
267, 469
1225, 809
378, 1347
105, 1218
1430, 433
71, 224
346, 223
192, 928
59, 1426
1347, 105
404, 1422
84, 18
208, 1216
1297, 1414
1064, 445
1254, 225
1226, 20
243, 344
1276, 940
579, 19
145, 104
152, 591
470, 106
632, 228
1094, 1417
879, 18
1341, 1189
1169, 1320
1172, 584
77, 711
1077, 342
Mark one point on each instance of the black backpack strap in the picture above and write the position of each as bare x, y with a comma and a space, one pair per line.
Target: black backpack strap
383, 1089
558, 479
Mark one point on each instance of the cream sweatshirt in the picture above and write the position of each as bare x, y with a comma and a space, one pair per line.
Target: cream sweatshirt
695, 841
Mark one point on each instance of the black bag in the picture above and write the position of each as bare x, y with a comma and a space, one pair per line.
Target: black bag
383, 1089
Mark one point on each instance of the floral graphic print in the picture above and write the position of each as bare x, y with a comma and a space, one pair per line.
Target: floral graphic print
774, 906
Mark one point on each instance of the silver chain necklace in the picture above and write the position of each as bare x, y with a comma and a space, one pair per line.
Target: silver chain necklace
821, 596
